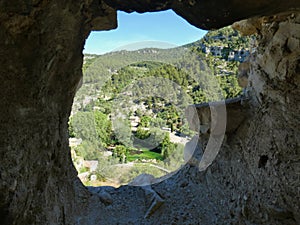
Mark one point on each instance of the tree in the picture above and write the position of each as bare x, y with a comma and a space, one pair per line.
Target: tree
122, 131
83, 126
87, 150
145, 121
167, 147
141, 133
120, 151
104, 168
103, 128
157, 122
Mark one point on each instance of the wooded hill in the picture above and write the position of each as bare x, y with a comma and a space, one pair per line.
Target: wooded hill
152, 86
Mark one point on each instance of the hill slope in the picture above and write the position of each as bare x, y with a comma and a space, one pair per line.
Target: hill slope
146, 91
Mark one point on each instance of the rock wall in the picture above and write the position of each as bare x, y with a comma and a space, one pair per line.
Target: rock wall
41, 46
255, 177
254, 180
209, 14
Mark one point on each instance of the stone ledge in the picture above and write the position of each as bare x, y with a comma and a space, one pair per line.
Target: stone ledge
199, 116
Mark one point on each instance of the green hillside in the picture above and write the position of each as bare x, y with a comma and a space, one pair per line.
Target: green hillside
132, 103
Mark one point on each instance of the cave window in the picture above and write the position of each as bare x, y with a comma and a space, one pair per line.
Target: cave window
128, 117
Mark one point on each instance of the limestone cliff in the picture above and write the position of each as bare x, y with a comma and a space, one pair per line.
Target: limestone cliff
255, 177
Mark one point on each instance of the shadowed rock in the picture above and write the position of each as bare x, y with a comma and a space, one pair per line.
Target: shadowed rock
209, 14
254, 178
200, 116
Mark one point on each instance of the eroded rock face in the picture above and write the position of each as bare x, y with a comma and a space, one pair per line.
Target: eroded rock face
255, 178
211, 14
41, 46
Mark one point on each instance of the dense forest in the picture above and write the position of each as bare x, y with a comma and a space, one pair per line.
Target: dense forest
132, 103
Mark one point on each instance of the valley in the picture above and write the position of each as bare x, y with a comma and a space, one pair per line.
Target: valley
129, 113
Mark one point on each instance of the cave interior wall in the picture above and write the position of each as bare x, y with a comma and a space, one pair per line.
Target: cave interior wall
255, 178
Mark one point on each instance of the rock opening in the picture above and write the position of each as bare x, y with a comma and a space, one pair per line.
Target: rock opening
41, 57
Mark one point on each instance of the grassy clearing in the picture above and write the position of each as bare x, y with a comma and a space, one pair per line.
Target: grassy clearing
144, 154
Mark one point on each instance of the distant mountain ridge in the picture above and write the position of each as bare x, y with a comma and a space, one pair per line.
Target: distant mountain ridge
225, 39
221, 49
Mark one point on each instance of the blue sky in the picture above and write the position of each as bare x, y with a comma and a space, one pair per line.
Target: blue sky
159, 29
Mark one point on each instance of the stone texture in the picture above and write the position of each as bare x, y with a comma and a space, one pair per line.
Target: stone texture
209, 118
255, 177
209, 14
243, 73
41, 46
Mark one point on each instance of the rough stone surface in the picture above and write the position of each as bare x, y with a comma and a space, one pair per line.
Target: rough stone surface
209, 14
243, 73
205, 118
254, 179
41, 46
